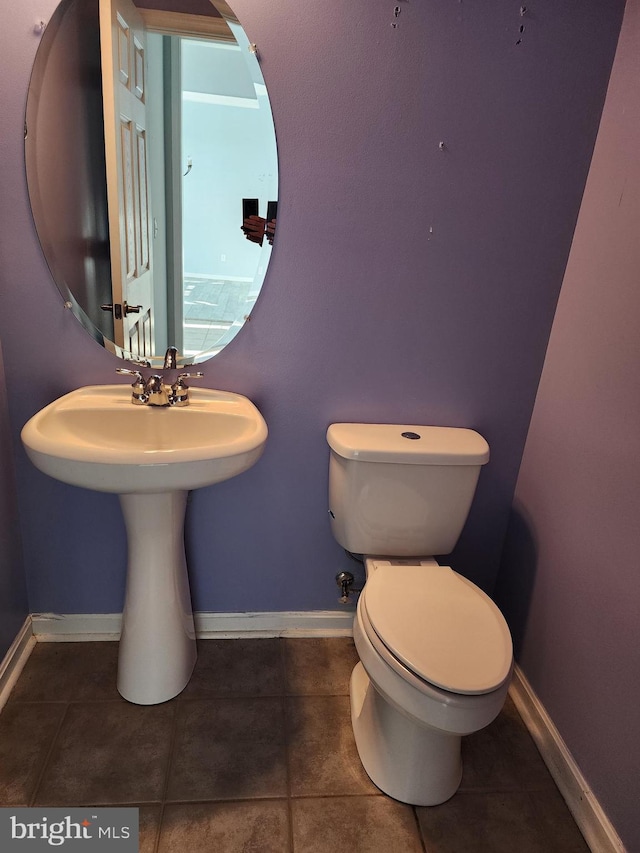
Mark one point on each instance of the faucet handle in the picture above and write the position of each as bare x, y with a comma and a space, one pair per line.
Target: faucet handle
124, 371
180, 390
181, 376
138, 392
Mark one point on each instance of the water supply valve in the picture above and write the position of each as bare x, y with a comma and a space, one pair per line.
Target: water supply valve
345, 582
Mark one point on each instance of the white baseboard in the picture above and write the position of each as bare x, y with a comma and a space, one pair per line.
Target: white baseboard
587, 812
76, 627
309, 623
16, 657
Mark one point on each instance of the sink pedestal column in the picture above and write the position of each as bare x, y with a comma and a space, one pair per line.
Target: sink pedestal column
157, 643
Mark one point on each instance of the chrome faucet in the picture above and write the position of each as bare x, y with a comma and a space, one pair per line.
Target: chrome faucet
156, 391
153, 391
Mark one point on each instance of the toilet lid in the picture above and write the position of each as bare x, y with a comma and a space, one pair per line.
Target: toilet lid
439, 625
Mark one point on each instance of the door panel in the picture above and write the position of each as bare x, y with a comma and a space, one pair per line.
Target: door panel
123, 82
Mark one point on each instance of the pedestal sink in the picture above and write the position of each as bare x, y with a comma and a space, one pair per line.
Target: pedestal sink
151, 457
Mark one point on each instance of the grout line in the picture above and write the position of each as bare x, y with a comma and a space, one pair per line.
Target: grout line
96, 804
156, 842
414, 809
167, 775
286, 717
47, 757
180, 699
219, 696
347, 796
99, 804
283, 665
216, 801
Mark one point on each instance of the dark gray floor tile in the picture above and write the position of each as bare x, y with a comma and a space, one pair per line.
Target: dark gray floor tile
323, 759
557, 822
481, 822
69, 672
486, 765
503, 757
354, 825
517, 743
236, 668
108, 752
245, 827
26, 735
321, 665
259, 719
229, 749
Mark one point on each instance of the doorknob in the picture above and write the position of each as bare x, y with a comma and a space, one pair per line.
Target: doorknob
117, 309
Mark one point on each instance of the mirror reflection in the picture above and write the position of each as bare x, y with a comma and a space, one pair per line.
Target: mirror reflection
152, 173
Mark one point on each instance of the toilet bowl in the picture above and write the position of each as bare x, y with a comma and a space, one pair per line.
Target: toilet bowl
435, 651
407, 728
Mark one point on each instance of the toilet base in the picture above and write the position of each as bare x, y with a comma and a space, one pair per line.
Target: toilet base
409, 762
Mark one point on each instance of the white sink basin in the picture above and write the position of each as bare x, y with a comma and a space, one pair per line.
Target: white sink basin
94, 437
151, 456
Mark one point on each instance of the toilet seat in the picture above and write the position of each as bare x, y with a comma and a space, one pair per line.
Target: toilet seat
438, 625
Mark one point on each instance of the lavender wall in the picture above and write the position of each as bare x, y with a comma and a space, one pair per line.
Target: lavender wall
13, 591
407, 283
575, 529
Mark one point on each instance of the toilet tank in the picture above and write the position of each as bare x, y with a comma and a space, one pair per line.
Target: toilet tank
402, 491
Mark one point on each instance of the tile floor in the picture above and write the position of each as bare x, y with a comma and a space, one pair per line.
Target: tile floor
257, 755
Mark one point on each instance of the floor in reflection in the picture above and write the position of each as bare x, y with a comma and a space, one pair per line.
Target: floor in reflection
211, 305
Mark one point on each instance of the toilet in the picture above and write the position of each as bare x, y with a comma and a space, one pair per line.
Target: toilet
435, 651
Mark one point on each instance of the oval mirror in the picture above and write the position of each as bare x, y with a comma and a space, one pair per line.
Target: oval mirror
152, 172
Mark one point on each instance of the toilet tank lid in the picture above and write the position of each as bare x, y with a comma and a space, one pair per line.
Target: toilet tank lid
408, 444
